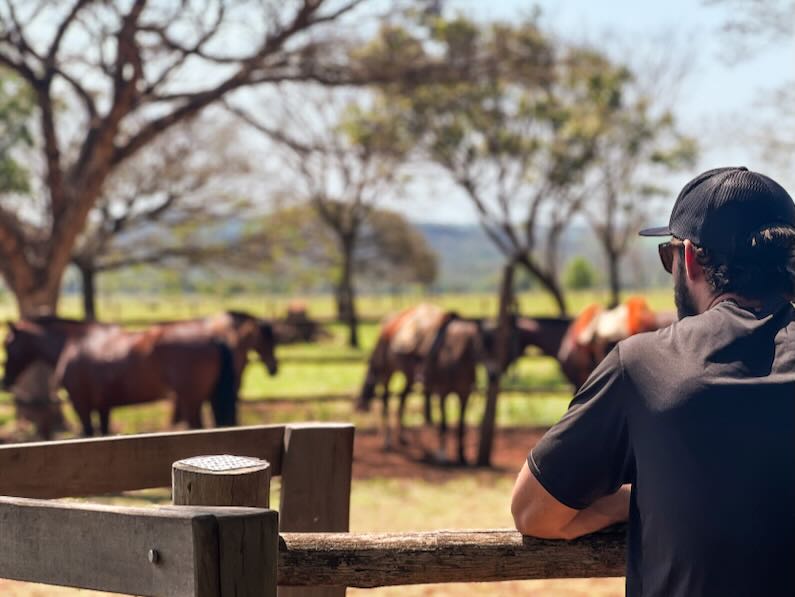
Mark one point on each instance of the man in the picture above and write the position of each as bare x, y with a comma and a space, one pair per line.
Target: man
689, 432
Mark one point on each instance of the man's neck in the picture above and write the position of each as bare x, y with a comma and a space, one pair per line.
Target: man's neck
746, 303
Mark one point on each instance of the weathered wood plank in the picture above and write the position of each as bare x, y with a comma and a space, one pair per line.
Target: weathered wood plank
248, 546
376, 560
248, 553
87, 467
105, 548
316, 486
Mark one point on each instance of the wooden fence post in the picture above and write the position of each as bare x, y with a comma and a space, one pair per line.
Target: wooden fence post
316, 487
221, 481
247, 545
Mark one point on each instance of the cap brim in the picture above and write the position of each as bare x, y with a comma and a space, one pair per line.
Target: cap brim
658, 231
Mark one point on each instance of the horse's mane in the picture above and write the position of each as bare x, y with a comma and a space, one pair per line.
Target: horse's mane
241, 316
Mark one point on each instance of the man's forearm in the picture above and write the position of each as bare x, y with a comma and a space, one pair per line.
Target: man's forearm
604, 512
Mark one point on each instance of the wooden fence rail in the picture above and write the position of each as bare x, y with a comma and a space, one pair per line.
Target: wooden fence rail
169, 551
377, 560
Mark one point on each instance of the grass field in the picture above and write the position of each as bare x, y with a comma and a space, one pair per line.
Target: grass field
470, 500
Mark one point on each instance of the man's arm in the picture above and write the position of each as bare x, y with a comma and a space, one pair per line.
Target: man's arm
537, 513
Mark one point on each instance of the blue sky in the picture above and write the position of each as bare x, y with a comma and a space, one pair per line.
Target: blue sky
716, 100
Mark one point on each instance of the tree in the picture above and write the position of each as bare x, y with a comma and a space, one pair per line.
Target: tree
16, 106
164, 205
390, 250
580, 274
517, 135
637, 146
343, 159
395, 252
751, 28
108, 78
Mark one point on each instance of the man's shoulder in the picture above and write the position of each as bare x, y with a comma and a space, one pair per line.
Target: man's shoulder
668, 342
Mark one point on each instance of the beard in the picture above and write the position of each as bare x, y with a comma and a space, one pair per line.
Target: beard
685, 305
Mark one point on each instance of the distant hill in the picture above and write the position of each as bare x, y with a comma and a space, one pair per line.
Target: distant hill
469, 261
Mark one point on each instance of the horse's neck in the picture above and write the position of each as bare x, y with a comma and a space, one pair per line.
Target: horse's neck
548, 336
48, 347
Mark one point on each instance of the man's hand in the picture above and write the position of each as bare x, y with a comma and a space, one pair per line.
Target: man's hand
539, 514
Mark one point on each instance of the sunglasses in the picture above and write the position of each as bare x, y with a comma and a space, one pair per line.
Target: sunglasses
666, 251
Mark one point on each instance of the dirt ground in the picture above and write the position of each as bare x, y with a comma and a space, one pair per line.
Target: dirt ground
416, 460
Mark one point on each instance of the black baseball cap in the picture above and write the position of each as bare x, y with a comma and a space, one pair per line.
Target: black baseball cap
722, 208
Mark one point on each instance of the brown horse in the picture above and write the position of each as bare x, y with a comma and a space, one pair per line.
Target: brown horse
109, 367
415, 329
45, 338
445, 362
579, 358
240, 331
451, 368
38, 339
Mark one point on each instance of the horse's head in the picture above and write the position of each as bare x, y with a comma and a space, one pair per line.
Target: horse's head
367, 393
20, 348
376, 370
266, 346
492, 355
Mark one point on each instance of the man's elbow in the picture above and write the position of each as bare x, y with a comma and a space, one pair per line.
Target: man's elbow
535, 522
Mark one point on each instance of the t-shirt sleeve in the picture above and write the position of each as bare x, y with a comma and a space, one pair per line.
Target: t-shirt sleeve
587, 454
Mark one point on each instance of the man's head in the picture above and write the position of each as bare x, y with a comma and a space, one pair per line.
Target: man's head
733, 234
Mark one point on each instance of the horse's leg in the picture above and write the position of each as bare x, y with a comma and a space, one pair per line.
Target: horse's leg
441, 454
84, 414
104, 420
385, 418
192, 412
401, 409
463, 398
427, 410
176, 417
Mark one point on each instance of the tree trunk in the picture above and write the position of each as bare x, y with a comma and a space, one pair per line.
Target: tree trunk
346, 294
42, 299
614, 274
548, 282
88, 275
502, 347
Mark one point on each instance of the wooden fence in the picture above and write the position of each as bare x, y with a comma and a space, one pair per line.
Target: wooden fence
219, 551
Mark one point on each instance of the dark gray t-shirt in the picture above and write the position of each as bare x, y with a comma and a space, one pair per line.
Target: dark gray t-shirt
700, 418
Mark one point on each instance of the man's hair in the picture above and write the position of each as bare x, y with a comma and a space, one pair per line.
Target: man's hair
765, 268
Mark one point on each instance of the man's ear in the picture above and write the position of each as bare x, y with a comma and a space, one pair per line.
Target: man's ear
692, 266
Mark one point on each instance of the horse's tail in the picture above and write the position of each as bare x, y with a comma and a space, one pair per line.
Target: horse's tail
431, 359
224, 396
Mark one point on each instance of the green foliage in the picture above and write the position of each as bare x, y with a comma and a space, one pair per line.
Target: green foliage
16, 108
305, 250
580, 274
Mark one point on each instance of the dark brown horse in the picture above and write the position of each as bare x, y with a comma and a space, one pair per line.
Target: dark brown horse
40, 338
229, 336
109, 367
451, 368
242, 332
